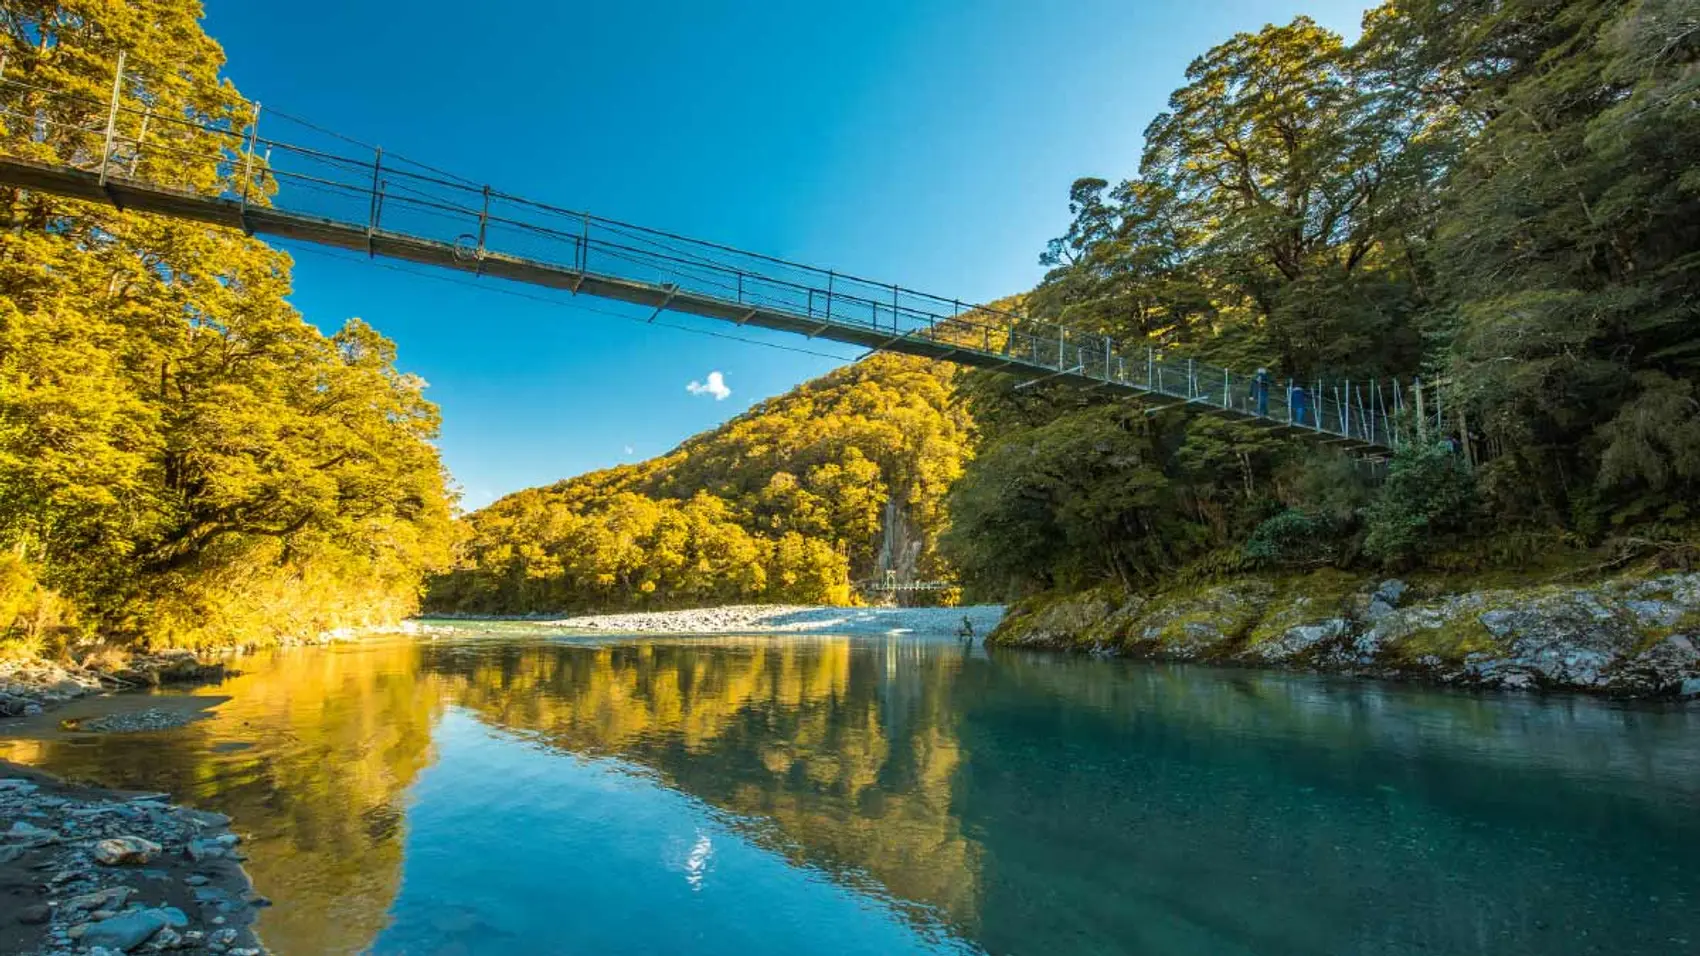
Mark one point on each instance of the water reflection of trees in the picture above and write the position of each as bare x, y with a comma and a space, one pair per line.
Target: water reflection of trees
1031, 802
822, 751
1128, 809
312, 756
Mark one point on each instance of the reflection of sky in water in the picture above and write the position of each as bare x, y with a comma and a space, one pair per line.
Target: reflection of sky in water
512, 848
502, 791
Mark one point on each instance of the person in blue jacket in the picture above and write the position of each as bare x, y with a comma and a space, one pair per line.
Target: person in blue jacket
1299, 400
1260, 392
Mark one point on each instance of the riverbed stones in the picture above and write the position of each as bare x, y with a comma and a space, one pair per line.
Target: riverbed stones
170, 666
141, 721
130, 930
200, 850
125, 849
24, 834
29, 686
112, 897
114, 907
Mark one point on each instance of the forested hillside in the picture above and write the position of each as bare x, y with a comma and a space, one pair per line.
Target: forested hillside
1499, 195
183, 459
785, 503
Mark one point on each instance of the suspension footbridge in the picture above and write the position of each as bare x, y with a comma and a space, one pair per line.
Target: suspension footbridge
134, 155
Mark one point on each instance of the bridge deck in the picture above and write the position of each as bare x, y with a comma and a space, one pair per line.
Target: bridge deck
710, 281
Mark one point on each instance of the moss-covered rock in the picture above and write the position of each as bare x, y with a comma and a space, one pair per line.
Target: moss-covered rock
1199, 623
1629, 637
1071, 621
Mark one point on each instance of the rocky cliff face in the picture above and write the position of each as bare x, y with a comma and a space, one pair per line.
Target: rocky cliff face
1631, 637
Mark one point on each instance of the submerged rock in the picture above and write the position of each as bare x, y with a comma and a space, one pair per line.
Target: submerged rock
199, 850
34, 914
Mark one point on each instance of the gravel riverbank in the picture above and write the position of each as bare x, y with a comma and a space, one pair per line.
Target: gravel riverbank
99, 872
794, 619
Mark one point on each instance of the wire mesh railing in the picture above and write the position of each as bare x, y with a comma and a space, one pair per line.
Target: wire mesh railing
313, 173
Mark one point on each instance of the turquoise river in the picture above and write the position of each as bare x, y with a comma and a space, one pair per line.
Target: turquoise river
506, 790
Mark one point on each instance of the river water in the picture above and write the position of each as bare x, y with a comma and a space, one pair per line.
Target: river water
504, 791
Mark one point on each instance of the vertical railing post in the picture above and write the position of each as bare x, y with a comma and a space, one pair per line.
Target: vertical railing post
1150, 366
377, 210
1377, 417
141, 137
247, 159
1062, 340
112, 116
894, 328
1464, 440
1346, 413
483, 223
829, 281
1191, 380
584, 243
1422, 413
1227, 391
1107, 350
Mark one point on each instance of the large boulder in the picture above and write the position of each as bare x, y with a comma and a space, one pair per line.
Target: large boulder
1072, 620
125, 849
127, 931
1567, 639
1207, 622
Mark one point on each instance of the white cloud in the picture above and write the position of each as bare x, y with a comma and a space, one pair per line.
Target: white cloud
716, 386
630, 450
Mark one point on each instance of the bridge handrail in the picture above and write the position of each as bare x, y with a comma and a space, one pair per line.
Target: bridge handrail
388, 193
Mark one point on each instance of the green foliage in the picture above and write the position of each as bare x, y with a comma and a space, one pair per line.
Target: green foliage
785, 503
1495, 194
1292, 538
33, 619
183, 459
1429, 494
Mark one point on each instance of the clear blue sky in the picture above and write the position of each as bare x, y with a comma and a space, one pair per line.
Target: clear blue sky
925, 142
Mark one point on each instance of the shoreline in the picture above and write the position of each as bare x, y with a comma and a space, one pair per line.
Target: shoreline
97, 870
769, 619
1626, 638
